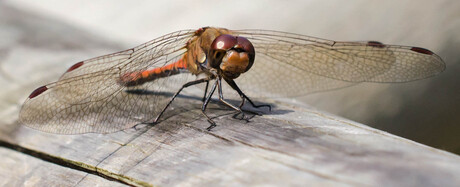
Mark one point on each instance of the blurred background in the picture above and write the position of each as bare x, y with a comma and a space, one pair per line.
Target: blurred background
41, 39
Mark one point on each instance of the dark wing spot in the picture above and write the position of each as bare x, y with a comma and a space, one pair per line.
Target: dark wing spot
38, 91
75, 66
421, 50
375, 44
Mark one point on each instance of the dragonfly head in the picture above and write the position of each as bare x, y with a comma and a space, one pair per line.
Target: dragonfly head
233, 55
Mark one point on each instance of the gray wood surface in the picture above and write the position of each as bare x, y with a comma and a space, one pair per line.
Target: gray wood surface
19, 169
287, 147
293, 145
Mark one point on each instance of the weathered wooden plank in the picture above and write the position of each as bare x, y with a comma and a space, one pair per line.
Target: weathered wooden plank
18, 169
286, 147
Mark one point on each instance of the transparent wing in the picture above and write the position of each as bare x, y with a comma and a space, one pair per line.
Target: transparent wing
291, 65
88, 97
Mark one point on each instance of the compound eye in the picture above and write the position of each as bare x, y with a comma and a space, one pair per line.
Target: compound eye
245, 44
224, 42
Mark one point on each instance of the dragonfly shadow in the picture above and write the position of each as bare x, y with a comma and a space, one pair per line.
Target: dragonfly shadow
247, 106
165, 94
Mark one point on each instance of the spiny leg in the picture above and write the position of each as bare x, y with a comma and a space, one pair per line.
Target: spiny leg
221, 98
205, 90
205, 104
243, 96
218, 83
198, 81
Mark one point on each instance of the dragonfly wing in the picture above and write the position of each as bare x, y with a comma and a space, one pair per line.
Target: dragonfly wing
89, 97
314, 64
279, 80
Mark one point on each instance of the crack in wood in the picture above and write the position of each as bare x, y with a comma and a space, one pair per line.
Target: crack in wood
89, 169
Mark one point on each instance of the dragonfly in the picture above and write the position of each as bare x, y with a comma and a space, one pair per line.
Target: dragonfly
120, 90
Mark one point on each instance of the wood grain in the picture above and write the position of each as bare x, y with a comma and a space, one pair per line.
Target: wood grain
288, 146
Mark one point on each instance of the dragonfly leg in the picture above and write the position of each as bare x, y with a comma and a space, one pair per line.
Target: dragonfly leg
198, 81
205, 104
243, 96
205, 90
221, 98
